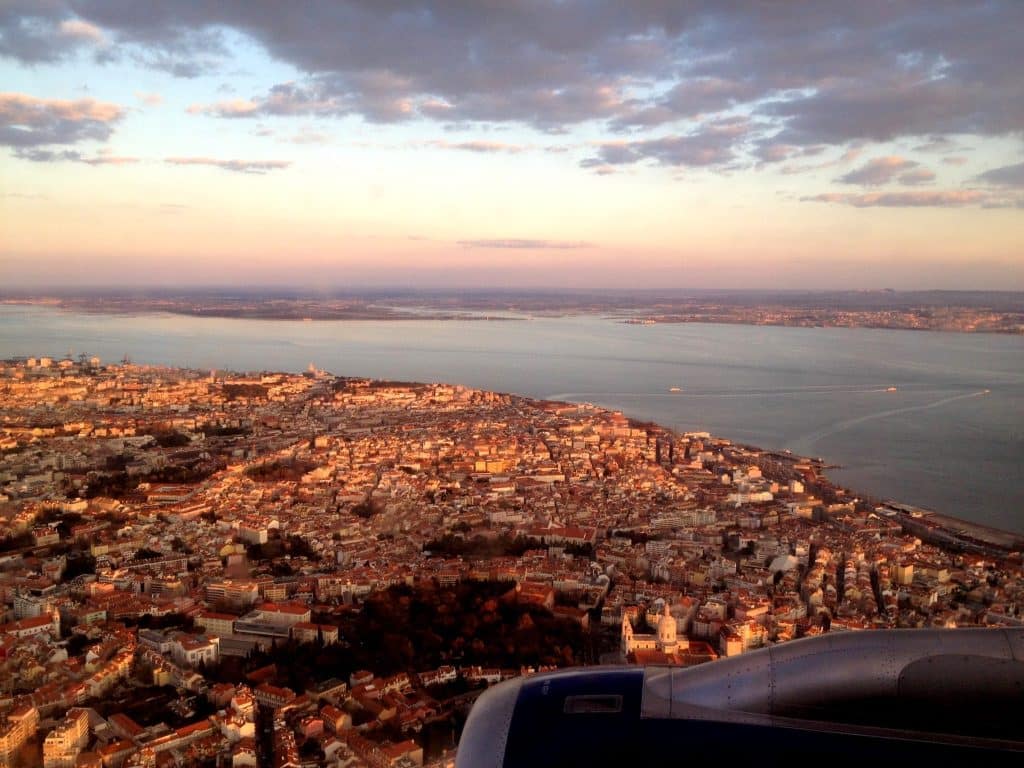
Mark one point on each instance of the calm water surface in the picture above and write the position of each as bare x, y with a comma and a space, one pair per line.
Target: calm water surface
940, 440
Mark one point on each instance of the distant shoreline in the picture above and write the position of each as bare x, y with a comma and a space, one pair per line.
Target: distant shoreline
962, 312
289, 314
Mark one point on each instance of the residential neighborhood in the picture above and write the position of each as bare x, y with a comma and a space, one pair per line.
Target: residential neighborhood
193, 563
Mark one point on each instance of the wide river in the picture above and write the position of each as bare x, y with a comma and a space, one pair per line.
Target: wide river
950, 437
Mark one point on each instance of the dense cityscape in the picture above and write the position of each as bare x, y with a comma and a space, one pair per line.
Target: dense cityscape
203, 567
664, 392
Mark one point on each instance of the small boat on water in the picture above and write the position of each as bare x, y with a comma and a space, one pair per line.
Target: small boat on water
890, 389
675, 389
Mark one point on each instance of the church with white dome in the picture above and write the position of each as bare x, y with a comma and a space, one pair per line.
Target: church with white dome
666, 639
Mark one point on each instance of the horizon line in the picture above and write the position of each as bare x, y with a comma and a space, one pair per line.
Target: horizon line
29, 291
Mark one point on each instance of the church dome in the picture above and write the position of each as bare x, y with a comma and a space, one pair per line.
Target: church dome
667, 627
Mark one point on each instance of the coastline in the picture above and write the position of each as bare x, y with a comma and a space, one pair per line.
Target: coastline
766, 390
953, 318
935, 527
930, 525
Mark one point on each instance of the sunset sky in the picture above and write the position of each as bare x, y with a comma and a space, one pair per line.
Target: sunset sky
648, 143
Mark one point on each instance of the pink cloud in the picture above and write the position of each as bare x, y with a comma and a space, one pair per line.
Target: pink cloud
953, 198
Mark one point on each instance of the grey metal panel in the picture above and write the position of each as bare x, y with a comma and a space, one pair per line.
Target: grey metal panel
962, 679
1016, 640
810, 675
832, 667
656, 698
733, 683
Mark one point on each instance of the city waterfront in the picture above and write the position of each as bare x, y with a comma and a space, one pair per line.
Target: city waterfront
932, 419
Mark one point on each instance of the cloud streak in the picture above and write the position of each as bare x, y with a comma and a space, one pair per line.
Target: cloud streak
1006, 176
713, 144
237, 166
30, 121
931, 198
917, 176
36, 155
477, 145
149, 99
525, 244
880, 170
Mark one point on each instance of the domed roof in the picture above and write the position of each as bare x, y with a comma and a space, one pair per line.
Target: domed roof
666, 625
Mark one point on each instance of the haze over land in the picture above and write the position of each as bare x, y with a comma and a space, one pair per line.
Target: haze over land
963, 311
532, 144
